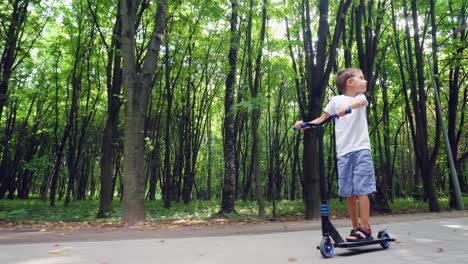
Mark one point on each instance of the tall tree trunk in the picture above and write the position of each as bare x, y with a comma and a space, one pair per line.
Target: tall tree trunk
228, 195
209, 144
455, 110
138, 85
187, 121
427, 160
154, 158
248, 179
6, 173
110, 136
167, 190
13, 172
404, 88
72, 120
301, 97
388, 183
59, 146
319, 63
31, 145
256, 112
296, 168
367, 46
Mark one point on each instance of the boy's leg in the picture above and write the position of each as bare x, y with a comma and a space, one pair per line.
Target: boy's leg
364, 210
353, 214
353, 211
364, 184
364, 215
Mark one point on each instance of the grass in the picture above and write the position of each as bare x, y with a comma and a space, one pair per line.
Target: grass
35, 210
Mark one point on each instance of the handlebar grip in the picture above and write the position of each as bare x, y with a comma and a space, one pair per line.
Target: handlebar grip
347, 111
303, 125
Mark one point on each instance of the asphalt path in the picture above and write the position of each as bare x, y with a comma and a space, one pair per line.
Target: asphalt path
422, 238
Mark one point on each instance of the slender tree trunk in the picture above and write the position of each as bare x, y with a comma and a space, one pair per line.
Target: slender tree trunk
455, 109
427, 161
296, 171
248, 179
187, 113
367, 38
388, 183
167, 151
72, 120
110, 136
210, 158
31, 145
59, 146
6, 174
255, 116
319, 63
228, 195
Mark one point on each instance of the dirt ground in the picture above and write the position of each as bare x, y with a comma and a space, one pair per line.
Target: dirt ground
18, 233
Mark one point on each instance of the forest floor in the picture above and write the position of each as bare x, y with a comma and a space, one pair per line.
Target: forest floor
50, 232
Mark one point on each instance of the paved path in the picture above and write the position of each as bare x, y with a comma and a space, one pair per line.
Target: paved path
435, 240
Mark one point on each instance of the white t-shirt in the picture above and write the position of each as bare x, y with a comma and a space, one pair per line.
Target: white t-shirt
351, 130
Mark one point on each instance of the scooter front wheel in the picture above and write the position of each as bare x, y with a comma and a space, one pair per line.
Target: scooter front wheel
326, 248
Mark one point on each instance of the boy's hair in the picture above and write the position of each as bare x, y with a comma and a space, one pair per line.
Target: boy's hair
343, 75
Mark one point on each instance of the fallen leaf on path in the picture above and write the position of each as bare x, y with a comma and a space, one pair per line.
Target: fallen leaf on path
59, 251
292, 259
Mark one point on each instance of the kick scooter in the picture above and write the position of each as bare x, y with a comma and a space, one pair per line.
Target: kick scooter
329, 232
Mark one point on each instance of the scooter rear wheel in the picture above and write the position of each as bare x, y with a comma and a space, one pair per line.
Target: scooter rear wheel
326, 248
386, 243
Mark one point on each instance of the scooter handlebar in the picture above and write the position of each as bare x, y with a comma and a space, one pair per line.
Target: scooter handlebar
307, 124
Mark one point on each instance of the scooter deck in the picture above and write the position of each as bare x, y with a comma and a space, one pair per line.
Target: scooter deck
363, 242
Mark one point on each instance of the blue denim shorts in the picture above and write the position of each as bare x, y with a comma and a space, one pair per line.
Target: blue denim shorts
356, 174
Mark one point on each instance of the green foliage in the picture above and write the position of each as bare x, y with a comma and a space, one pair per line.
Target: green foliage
14, 214
85, 211
251, 104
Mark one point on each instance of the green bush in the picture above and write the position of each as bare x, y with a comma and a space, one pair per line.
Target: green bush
86, 211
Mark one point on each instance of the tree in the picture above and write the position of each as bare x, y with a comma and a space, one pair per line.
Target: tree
228, 196
137, 87
254, 77
17, 21
368, 52
110, 133
425, 160
456, 108
319, 62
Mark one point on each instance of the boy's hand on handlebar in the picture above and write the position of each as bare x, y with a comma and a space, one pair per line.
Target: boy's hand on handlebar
341, 111
297, 125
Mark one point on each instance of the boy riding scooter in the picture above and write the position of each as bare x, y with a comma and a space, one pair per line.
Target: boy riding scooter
356, 178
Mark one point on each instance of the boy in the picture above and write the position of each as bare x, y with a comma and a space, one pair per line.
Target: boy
356, 179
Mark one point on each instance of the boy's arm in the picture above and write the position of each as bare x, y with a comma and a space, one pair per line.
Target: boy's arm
318, 120
357, 103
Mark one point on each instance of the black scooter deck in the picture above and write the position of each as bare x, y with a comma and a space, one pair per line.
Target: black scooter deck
363, 242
